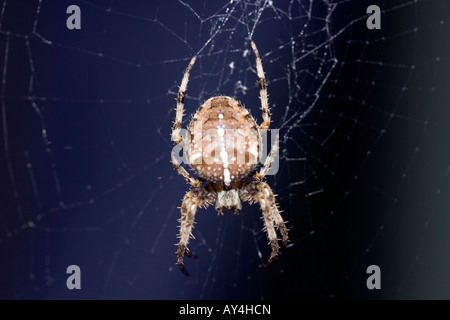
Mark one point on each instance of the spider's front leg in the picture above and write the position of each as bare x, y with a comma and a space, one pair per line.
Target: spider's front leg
199, 197
258, 191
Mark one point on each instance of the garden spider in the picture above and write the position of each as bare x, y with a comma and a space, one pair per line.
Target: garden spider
223, 148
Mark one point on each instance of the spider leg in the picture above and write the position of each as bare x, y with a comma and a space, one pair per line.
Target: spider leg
177, 166
180, 103
270, 158
176, 137
193, 199
265, 113
262, 89
258, 191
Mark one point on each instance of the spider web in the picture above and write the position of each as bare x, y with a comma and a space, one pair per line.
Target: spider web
86, 179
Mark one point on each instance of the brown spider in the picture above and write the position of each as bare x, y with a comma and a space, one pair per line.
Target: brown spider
223, 148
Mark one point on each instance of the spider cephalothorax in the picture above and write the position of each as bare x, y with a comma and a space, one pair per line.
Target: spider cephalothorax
223, 148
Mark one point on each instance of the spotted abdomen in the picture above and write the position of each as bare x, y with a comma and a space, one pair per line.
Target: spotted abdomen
224, 141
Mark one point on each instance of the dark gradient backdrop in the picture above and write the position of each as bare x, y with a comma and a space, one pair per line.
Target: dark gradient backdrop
85, 176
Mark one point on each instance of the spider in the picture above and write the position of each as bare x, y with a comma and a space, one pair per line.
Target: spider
223, 148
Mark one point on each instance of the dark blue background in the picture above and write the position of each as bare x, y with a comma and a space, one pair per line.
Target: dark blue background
84, 156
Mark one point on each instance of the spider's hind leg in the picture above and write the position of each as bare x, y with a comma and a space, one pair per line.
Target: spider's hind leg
269, 160
180, 103
187, 176
176, 129
263, 96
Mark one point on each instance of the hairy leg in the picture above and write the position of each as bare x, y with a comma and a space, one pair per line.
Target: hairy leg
180, 103
261, 192
199, 197
262, 89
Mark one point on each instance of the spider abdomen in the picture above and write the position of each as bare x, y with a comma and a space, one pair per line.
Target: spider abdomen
224, 141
